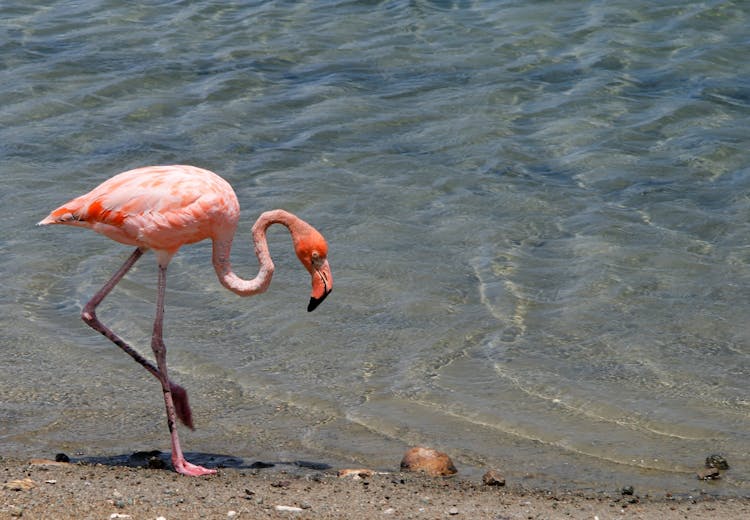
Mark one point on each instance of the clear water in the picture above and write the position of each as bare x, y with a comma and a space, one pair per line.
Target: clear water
537, 213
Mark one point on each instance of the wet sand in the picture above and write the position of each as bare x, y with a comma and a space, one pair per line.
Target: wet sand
39, 489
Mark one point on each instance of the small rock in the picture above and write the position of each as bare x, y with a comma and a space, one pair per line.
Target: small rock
493, 478
231, 514
118, 515
627, 490
709, 474
356, 473
20, 485
717, 461
453, 511
432, 462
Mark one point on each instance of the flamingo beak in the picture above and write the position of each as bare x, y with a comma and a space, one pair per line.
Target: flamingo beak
322, 285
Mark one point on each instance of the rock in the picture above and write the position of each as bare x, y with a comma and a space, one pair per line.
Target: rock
289, 509
356, 473
429, 461
493, 478
20, 485
717, 461
453, 511
709, 474
627, 490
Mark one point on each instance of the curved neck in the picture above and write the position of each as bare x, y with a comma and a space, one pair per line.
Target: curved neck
222, 248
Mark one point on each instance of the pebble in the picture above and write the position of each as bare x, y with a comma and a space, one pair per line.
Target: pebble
429, 461
453, 511
290, 509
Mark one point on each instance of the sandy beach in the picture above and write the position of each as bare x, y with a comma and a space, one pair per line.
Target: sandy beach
47, 489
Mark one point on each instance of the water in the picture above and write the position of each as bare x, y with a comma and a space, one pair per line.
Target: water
537, 214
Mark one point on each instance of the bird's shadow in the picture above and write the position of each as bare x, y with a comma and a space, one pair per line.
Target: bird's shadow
156, 459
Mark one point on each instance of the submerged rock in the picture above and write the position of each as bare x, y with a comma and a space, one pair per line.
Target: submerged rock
709, 474
493, 478
717, 461
429, 461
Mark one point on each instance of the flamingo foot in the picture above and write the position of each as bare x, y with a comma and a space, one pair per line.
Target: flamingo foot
192, 470
181, 404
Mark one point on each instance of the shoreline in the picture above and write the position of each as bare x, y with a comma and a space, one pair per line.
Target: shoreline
40, 488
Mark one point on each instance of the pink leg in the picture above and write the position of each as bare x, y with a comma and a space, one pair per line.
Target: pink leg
89, 316
160, 352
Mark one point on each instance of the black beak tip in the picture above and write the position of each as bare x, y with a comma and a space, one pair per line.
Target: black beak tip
314, 302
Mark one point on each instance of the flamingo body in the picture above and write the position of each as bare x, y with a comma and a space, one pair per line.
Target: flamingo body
157, 207
163, 208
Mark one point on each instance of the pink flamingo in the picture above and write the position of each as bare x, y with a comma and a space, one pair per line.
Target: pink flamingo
163, 208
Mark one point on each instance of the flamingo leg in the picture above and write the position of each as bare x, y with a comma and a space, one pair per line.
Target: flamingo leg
160, 352
88, 314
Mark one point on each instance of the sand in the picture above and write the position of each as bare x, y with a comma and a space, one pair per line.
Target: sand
44, 489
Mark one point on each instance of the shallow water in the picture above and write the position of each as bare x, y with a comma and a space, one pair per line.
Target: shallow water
537, 215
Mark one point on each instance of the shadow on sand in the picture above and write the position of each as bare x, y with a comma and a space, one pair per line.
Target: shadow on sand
156, 459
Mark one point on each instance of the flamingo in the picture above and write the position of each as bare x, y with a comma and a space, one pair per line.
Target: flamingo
163, 208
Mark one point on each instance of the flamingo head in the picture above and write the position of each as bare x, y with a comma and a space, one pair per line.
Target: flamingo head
312, 251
